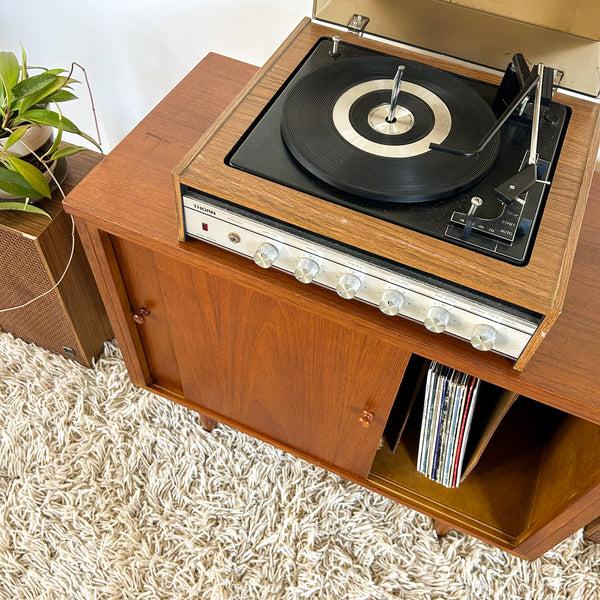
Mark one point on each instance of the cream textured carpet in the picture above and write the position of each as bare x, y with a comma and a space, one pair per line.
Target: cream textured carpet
107, 491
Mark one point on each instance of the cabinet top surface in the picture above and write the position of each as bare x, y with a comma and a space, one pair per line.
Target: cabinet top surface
131, 194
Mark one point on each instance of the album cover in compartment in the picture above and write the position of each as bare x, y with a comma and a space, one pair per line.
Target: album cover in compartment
448, 406
454, 415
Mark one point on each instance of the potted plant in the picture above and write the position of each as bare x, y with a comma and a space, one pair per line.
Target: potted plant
31, 130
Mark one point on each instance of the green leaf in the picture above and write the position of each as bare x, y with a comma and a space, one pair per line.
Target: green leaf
32, 85
9, 67
6, 96
15, 136
24, 73
57, 140
32, 176
9, 75
90, 139
62, 96
67, 151
43, 116
14, 184
22, 206
43, 95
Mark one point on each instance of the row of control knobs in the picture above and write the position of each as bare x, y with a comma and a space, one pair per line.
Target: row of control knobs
436, 320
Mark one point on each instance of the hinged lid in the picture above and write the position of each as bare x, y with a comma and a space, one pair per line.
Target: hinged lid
562, 35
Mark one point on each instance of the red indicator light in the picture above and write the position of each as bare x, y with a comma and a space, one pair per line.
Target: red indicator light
204, 226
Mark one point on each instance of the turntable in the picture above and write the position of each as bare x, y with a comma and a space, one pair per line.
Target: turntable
433, 189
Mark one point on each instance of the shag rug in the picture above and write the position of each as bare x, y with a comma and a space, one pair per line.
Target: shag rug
108, 492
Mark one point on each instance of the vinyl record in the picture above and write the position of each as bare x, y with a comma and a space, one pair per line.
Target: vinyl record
334, 125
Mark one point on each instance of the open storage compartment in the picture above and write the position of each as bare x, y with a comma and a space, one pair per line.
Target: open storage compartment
525, 463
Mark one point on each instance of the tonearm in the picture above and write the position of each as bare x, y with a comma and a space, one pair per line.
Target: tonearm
517, 185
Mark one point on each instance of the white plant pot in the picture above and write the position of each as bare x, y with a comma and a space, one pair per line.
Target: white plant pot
35, 137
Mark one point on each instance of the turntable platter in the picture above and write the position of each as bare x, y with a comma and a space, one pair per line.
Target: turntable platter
335, 124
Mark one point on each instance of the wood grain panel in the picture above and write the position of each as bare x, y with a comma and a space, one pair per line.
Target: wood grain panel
140, 278
100, 252
133, 185
289, 374
569, 477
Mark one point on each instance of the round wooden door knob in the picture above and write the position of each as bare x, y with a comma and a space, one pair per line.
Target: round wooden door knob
140, 316
366, 417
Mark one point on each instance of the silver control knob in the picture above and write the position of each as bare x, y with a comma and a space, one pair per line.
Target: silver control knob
437, 319
306, 269
347, 286
483, 337
266, 255
391, 302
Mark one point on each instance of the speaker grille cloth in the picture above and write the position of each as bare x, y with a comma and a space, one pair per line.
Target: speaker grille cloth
22, 277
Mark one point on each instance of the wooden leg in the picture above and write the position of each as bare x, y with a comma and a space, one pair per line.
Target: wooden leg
592, 531
208, 424
441, 527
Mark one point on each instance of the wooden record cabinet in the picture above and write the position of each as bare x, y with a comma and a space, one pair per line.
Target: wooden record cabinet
321, 377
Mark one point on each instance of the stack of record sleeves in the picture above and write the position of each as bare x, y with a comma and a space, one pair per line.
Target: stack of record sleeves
450, 398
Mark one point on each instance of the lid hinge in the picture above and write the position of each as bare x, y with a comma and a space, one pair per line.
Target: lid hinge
357, 24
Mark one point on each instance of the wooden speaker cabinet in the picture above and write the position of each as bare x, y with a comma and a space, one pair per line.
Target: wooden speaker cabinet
34, 250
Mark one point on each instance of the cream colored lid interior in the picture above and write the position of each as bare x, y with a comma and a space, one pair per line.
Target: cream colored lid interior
561, 34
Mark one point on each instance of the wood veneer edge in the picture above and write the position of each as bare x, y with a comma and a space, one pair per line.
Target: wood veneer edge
577, 222
108, 279
537, 338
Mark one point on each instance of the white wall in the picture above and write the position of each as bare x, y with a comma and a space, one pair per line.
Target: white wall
135, 51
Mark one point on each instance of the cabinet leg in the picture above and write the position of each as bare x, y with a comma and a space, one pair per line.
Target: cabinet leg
208, 424
592, 531
441, 527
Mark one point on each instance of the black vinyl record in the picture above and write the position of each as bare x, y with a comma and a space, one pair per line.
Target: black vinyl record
331, 118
